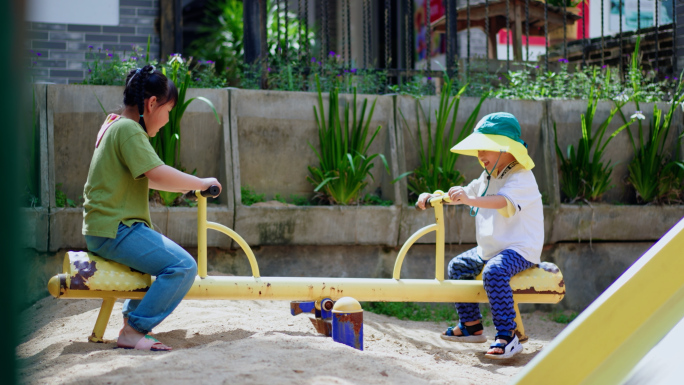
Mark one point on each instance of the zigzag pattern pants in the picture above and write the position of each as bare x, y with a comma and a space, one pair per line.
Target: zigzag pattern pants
497, 283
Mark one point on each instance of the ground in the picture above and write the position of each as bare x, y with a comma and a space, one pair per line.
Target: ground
257, 342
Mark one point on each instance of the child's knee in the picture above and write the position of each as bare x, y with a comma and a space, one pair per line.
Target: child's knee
461, 269
494, 272
187, 266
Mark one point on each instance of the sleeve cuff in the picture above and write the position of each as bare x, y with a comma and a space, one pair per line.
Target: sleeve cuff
507, 211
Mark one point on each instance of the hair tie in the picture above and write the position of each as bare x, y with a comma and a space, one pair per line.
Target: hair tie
152, 70
141, 116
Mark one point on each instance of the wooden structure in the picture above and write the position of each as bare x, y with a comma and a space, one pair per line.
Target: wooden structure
498, 13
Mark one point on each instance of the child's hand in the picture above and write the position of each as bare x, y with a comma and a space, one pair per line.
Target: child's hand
422, 200
458, 196
208, 182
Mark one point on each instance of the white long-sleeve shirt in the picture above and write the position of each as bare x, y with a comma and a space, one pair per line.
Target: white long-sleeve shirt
520, 225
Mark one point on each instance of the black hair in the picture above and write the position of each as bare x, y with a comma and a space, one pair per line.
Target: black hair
143, 83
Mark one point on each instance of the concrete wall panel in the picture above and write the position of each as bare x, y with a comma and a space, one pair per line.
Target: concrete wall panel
318, 225
274, 130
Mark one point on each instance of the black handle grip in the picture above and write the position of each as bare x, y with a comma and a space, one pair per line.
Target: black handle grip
212, 191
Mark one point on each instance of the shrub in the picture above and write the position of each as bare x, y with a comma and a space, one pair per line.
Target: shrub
583, 174
437, 163
344, 165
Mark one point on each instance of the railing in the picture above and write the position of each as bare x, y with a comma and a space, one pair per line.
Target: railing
384, 34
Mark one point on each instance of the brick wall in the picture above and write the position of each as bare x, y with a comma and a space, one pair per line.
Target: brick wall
58, 52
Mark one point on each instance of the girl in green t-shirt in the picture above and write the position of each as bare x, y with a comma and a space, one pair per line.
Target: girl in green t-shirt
116, 217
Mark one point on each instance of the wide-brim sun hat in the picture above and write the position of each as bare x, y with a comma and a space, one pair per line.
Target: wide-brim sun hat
499, 132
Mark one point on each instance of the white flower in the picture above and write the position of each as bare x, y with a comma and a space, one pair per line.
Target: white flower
176, 58
621, 98
638, 115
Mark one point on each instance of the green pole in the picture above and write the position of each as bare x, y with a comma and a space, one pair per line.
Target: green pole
11, 71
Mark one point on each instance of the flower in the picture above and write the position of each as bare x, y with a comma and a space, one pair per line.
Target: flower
603, 66
313, 59
39, 54
537, 67
176, 58
638, 115
110, 55
563, 60
90, 46
331, 53
621, 97
134, 58
353, 70
269, 69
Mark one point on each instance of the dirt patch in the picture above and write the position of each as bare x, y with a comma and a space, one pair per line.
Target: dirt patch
257, 342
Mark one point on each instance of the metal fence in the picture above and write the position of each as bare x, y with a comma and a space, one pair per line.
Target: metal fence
382, 34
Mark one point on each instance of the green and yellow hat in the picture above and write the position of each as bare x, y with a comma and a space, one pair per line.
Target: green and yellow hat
498, 132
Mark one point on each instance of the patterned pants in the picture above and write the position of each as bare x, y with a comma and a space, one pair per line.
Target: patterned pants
497, 277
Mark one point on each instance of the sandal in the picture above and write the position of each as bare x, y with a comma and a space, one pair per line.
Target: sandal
511, 348
467, 333
148, 343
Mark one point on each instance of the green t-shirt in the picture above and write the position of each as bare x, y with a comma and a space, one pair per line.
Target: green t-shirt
117, 190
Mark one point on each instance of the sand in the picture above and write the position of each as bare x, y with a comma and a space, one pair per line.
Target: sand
257, 342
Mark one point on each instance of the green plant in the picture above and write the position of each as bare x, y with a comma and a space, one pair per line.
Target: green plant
167, 143
654, 177
486, 315
533, 83
250, 197
110, 68
61, 199
561, 317
221, 41
344, 165
437, 163
413, 311
584, 176
374, 200
299, 200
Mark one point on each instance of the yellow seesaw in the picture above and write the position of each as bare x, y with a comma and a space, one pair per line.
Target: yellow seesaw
87, 275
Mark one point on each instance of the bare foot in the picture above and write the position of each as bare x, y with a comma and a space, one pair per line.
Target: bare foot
458, 332
129, 338
125, 322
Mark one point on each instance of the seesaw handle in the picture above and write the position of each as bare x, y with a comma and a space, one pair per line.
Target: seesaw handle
212, 191
432, 201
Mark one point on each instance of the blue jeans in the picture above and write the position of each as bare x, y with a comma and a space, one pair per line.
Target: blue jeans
146, 250
497, 284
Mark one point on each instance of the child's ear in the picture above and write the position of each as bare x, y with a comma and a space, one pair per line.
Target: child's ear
151, 102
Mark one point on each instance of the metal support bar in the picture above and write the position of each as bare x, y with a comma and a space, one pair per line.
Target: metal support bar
102, 320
